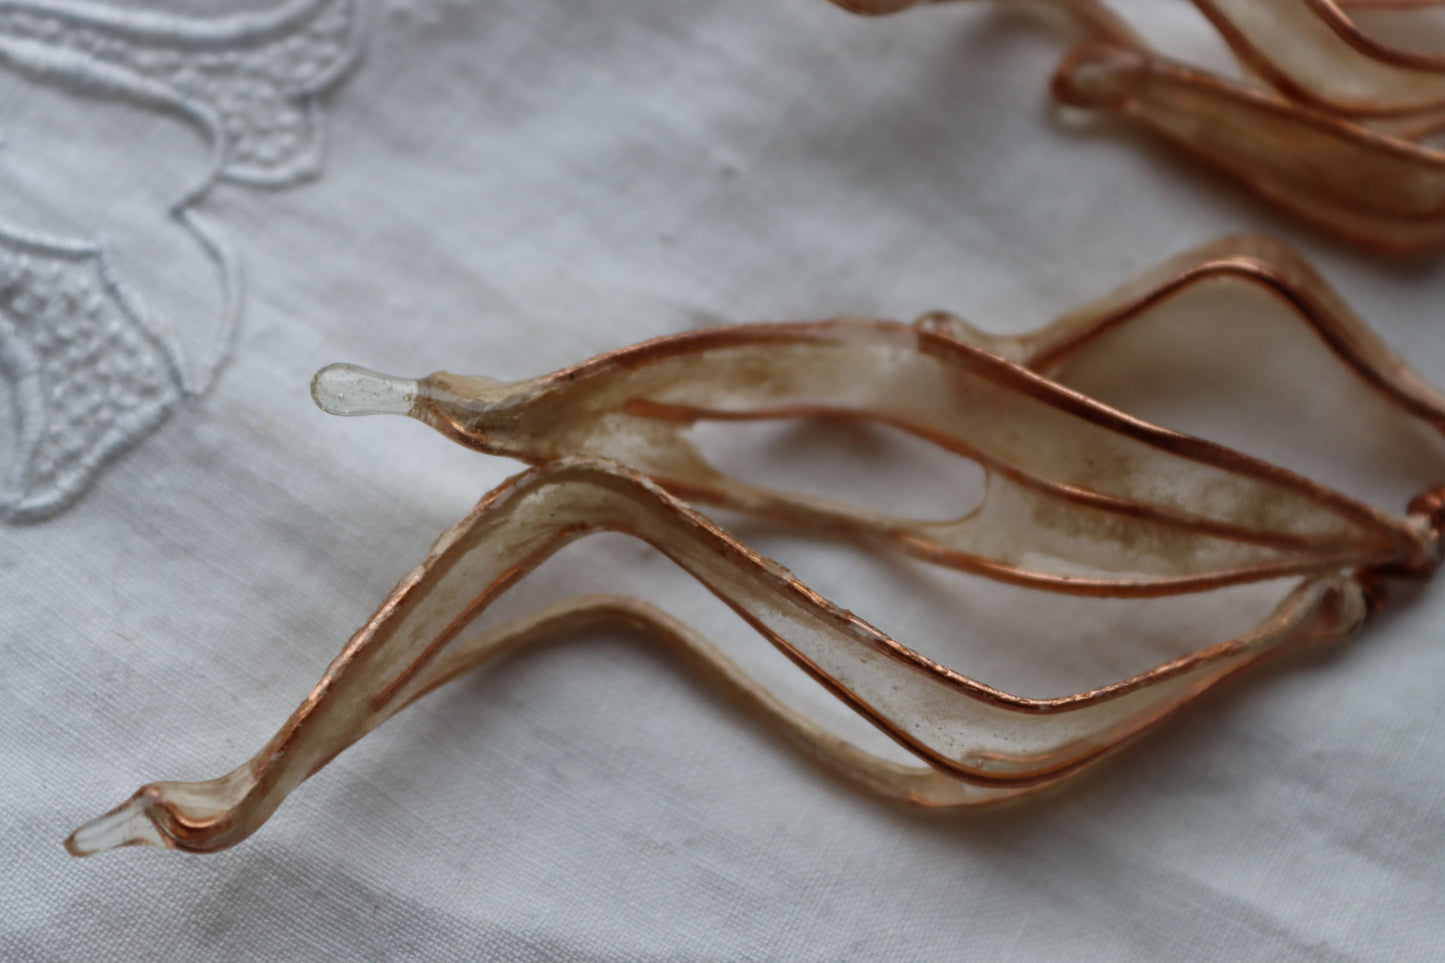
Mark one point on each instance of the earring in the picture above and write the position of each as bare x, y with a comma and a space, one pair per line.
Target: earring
1332, 125
1081, 499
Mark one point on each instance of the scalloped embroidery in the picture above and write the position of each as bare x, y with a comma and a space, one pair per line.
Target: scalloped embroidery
90, 372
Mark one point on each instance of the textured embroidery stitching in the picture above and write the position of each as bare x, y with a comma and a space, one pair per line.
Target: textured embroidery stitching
250, 83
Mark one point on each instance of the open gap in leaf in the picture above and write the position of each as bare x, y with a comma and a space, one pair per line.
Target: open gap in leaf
870, 466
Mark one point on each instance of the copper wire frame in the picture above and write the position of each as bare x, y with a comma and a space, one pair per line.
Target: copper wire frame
1331, 126
608, 439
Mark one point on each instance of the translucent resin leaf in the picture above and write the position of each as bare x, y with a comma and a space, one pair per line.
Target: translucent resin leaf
1081, 499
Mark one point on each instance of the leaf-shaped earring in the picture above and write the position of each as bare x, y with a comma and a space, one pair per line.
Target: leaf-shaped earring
1334, 131
1082, 499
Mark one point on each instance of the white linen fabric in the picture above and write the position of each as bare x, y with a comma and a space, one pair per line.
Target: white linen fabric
504, 188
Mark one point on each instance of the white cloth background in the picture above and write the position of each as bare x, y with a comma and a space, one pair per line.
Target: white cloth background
511, 187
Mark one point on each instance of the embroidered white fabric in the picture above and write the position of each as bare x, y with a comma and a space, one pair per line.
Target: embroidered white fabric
508, 188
